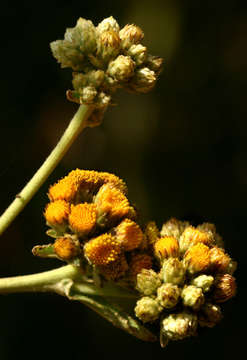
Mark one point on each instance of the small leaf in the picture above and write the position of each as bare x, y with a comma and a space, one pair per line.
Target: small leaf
114, 314
44, 251
52, 233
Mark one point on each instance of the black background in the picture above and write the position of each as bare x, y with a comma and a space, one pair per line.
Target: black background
181, 150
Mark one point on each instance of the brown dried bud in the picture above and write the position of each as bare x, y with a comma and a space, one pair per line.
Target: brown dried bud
219, 260
225, 288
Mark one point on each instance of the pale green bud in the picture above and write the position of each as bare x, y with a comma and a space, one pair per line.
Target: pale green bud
108, 24
204, 282
82, 36
122, 68
173, 227
103, 100
147, 309
168, 295
88, 94
95, 78
147, 281
192, 296
177, 327
209, 315
108, 45
130, 35
67, 55
138, 53
143, 81
173, 271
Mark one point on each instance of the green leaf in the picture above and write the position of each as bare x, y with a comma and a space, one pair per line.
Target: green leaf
44, 251
114, 314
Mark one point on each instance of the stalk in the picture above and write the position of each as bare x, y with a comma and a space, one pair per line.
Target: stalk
75, 127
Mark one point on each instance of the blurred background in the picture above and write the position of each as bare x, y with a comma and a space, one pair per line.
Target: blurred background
181, 149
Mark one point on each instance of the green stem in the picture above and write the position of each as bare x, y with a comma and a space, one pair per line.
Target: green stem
52, 281
77, 124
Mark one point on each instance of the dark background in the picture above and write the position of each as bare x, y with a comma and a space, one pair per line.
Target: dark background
181, 150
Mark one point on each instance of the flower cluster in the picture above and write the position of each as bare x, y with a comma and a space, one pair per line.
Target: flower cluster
105, 58
92, 219
193, 276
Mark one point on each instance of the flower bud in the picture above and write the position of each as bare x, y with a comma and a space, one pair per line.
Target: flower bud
143, 81
147, 309
192, 296
224, 288
232, 267
56, 214
122, 68
108, 45
114, 270
147, 282
219, 260
168, 295
192, 236
138, 53
178, 326
88, 94
108, 24
209, 315
82, 219
211, 228
173, 227
66, 248
154, 63
173, 271
152, 232
197, 258
166, 247
130, 35
129, 234
203, 281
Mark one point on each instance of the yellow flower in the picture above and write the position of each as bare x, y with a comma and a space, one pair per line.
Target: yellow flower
166, 246
192, 236
57, 212
139, 262
197, 258
129, 234
65, 248
219, 260
82, 218
111, 202
115, 269
102, 250
152, 232
64, 189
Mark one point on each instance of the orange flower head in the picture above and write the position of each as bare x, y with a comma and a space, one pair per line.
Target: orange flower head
152, 232
139, 262
129, 234
113, 179
197, 258
111, 202
165, 247
82, 218
192, 236
57, 212
65, 248
114, 270
219, 260
64, 189
102, 250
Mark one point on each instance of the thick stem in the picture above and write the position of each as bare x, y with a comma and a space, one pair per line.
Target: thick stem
77, 124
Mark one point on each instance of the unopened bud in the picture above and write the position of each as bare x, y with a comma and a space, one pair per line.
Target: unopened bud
224, 288
122, 68
192, 236
151, 232
143, 81
66, 248
166, 247
138, 53
147, 282
178, 326
168, 295
108, 45
192, 296
204, 282
197, 258
147, 309
209, 315
88, 94
155, 63
173, 271
130, 35
108, 24
83, 36
219, 260
173, 227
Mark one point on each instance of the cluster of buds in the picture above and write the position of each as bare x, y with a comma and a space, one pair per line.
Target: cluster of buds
105, 58
93, 223
193, 276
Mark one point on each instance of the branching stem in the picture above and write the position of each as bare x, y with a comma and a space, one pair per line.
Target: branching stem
77, 124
